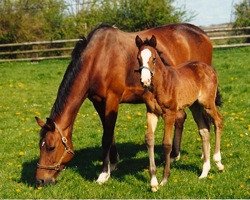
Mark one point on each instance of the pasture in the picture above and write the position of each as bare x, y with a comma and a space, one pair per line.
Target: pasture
28, 89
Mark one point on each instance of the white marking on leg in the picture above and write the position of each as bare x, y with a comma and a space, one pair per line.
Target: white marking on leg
205, 170
104, 176
154, 184
217, 159
206, 152
145, 73
152, 120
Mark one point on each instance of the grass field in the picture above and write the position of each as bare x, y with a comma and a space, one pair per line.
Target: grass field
28, 89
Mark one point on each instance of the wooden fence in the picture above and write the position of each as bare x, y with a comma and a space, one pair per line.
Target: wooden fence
35, 51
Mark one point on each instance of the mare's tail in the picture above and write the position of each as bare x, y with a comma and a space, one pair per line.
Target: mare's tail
218, 98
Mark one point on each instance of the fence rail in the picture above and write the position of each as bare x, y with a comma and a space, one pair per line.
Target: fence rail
41, 50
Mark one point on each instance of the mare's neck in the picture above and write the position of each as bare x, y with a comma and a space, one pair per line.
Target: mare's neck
69, 100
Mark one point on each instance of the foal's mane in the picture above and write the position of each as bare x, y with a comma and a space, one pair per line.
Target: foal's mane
147, 43
72, 71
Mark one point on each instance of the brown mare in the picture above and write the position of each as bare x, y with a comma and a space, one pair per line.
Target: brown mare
192, 84
103, 69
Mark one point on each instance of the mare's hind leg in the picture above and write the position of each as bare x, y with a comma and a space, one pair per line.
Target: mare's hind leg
217, 120
197, 112
179, 125
152, 120
110, 116
113, 155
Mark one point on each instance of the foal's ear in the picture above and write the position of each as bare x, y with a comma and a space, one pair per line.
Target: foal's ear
138, 41
152, 42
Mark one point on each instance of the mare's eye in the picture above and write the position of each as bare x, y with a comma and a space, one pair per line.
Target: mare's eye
48, 148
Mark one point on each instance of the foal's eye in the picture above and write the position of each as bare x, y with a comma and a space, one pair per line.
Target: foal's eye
154, 60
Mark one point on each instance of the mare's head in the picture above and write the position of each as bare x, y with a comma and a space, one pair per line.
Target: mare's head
55, 152
147, 57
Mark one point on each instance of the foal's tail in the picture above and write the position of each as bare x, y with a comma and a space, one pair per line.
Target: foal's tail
218, 98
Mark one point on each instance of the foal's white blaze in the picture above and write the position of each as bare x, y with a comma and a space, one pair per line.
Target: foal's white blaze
145, 73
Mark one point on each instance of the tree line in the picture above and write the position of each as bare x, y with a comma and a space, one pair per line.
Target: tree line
33, 20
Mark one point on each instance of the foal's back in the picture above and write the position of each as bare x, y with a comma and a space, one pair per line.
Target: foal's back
194, 81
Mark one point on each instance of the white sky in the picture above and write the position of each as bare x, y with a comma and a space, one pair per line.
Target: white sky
209, 11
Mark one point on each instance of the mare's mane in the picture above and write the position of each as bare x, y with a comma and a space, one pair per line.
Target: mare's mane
72, 71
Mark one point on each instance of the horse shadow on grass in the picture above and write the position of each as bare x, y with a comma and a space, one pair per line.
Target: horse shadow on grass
87, 162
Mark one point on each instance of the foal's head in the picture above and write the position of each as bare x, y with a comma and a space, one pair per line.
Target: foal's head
55, 152
147, 57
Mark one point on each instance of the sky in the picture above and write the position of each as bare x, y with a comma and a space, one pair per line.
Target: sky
209, 12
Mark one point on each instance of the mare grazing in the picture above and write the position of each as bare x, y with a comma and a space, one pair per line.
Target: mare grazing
193, 85
103, 69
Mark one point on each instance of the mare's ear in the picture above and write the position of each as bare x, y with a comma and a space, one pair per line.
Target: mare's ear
152, 42
138, 41
39, 122
49, 125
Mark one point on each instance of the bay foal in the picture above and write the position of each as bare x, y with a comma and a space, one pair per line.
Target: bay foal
193, 85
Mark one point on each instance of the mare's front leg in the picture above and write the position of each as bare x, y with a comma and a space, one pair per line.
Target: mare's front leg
108, 147
179, 125
152, 120
169, 119
113, 155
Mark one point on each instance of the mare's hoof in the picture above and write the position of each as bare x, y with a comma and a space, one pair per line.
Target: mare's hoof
103, 177
113, 167
175, 158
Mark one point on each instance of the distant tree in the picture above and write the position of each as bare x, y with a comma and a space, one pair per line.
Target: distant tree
31, 20
242, 13
130, 15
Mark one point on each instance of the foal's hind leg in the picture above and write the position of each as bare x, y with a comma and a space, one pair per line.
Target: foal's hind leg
179, 125
152, 120
197, 112
217, 120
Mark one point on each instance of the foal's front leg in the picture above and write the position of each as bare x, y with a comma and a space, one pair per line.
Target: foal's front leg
152, 120
169, 119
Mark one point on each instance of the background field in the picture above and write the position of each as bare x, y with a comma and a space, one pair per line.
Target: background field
28, 89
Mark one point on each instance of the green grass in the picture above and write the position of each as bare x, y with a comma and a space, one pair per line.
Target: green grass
29, 89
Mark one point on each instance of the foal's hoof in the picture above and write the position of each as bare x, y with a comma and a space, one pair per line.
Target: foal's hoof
103, 177
163, 182
220, 166
154, 184
154, 189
